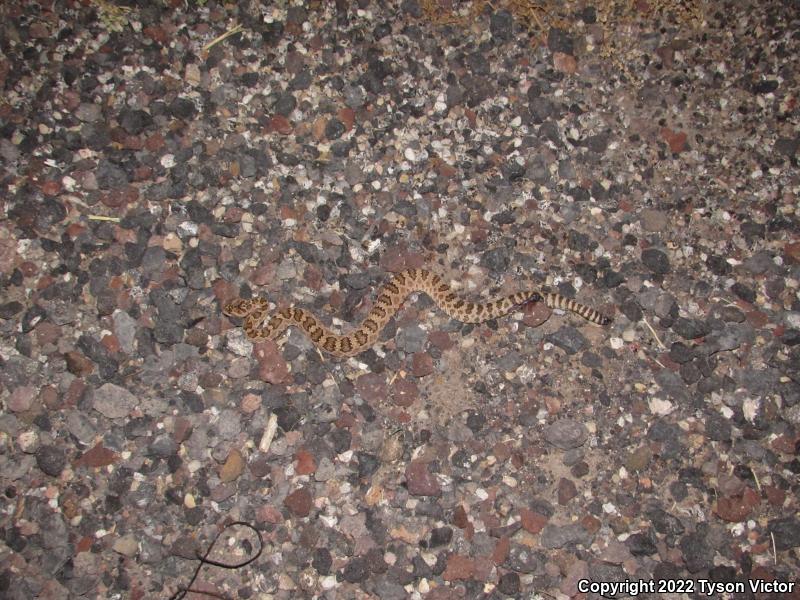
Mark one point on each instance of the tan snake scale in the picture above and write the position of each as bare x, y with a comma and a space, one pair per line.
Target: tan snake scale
260, 325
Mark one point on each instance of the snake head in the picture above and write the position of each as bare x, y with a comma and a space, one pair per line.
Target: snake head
534, 297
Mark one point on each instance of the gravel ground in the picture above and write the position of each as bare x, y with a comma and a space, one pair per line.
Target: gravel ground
641, 159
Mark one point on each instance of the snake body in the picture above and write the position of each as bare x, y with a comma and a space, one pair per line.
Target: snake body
260, 325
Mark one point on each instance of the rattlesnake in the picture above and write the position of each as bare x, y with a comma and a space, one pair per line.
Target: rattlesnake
259, 325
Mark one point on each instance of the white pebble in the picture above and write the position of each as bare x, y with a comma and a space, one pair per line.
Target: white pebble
328, 583
28, 441
660, 407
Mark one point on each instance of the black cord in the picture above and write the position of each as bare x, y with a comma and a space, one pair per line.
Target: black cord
204, 560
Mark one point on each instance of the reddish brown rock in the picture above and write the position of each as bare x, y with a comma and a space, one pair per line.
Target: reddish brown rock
346, 421
792, 250
155, 142
397, 258
269, 514
49, 397
280, 124
420, 481
28, 268
565, 63
38, 30
566, 490
757, 319
299, 502
272, 367
347, 116
443, 169
441, 340
111, 343
422, 364
306, 463
775, 495
313, 277
371, 387
675, 139
785, 444
460, 518
735, 509
75, 392
47, 333
501, 550
535, 314
404, 392
501, 451
531, 521
157, 34
51, 188
99, 456
591, 524
84, 544
118, 198
250, 403
78, 364
458, 567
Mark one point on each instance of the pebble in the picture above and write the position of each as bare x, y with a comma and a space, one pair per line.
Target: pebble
411, 338
113, 401
690, 329
420, 481
566, 434
501, 25
51, 459
126, 545
233, 467
21, 399
786, 532
656, 261
559, 536
299, 502
654, 220
568, 339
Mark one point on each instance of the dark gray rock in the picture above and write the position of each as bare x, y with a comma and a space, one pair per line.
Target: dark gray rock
509, 584
356, 570
51, 459
566, 434
559, 40
182, 108
555, 536
673, 386
690, 329
496, 259
656, 261
501, 25
285, 104
134, 121
568, 339
786, 532
698, 554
